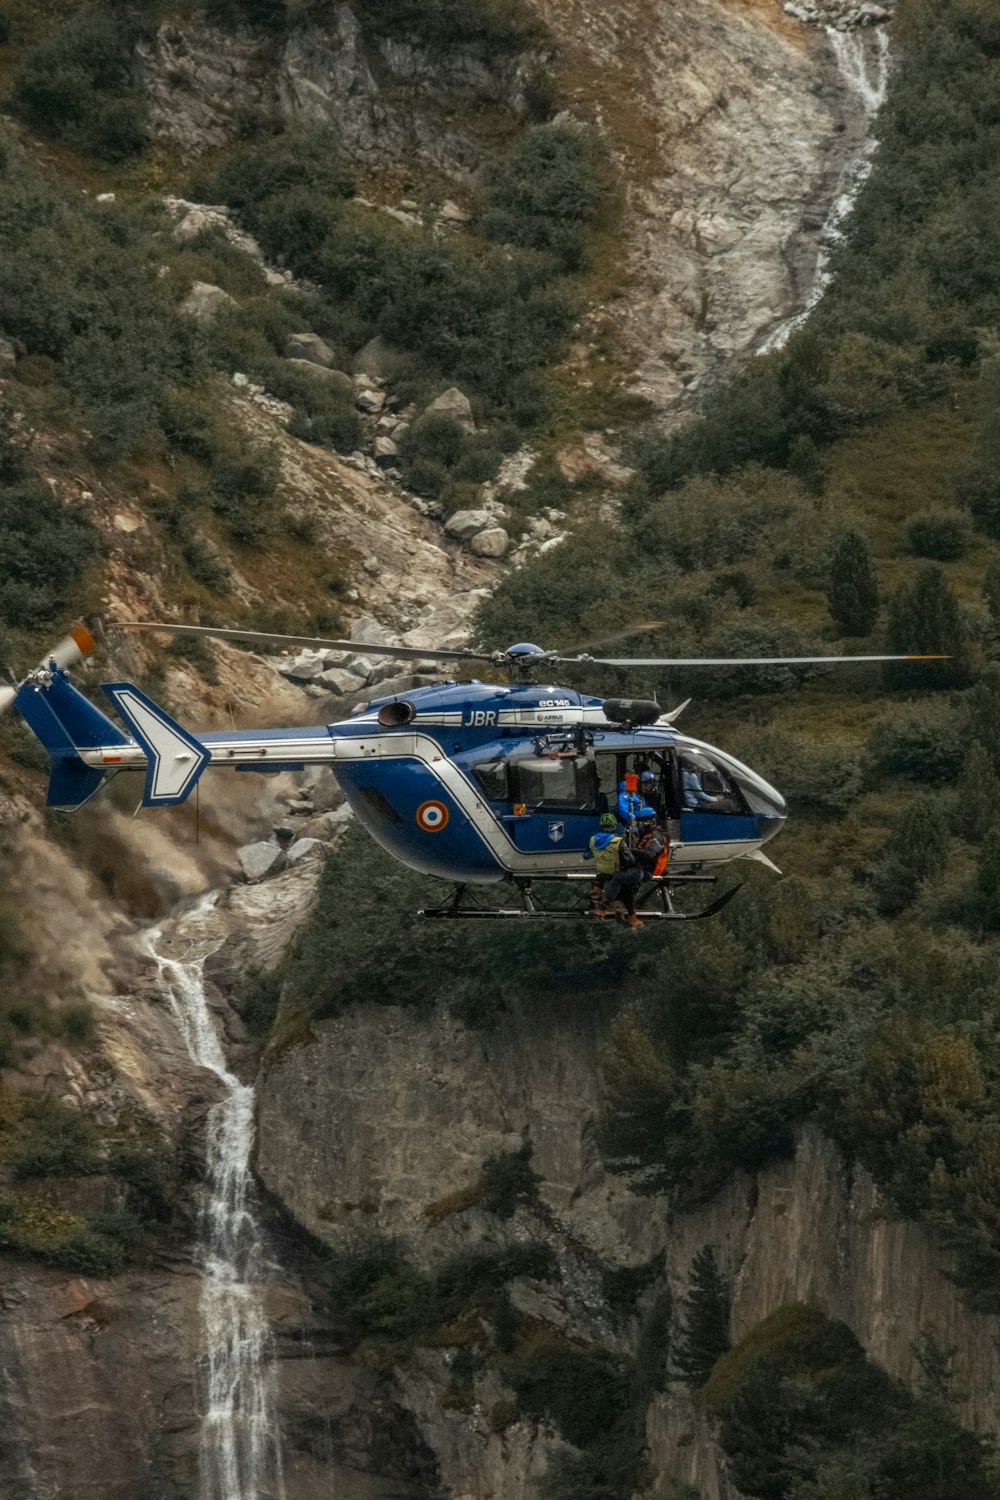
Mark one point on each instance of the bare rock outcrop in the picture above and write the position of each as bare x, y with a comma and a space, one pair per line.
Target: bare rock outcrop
383, 94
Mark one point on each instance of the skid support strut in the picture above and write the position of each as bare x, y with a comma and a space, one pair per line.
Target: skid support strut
465, 906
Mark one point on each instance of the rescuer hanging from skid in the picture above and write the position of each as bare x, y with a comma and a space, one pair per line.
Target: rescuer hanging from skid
618, 873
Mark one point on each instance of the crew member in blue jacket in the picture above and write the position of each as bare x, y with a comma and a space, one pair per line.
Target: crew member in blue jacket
631, 804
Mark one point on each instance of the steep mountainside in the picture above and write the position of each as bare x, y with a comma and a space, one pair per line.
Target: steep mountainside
416, 320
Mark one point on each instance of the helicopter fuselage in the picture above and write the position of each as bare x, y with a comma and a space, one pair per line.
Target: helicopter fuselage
470, 782
485, 782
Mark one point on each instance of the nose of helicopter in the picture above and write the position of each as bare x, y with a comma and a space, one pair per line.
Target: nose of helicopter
771, 823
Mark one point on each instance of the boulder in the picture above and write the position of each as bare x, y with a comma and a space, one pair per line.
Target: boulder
369, 400
385, 451
335, 379
303, 849
260, 859
378, 359
310, 347
392, 687
204, 302
305, 668
493, 542
368, 631
453, 403
539, 529
338, 680
452, 214
465, 523
200, 219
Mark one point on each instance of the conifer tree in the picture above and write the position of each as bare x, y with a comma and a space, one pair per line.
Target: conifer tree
982, 709
916, 848
978, 802
991, 594
925, 618
852, 593
988, 880
704, 1338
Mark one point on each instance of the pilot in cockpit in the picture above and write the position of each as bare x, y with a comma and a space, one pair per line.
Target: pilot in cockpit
693, 791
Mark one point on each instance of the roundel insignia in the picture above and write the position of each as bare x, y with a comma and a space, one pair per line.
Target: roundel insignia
432, 816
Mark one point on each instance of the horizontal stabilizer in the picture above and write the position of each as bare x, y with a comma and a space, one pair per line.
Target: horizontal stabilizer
174, 758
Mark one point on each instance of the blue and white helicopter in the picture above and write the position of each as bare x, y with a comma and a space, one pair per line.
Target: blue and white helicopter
471, 782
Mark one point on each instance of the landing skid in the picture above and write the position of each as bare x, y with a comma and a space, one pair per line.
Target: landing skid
465, 903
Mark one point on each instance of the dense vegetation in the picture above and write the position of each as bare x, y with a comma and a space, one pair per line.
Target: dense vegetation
804, 1415
74, 1196
453, 310
828, 497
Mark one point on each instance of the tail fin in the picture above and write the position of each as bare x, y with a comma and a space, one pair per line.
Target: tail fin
174, 758
66, 722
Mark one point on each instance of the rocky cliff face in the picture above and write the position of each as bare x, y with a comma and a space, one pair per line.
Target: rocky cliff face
731, 121
388, 1113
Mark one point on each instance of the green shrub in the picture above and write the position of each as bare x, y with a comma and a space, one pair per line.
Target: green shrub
15, 443
54, 1140
545, 193
803, 1412
852, 591
308, 162
914, 851
195, 650
495, 26
207, 565
78, 289
507, 1181
76, 84
925, 618
977, 795
39, 583
823, 774
797, 1385
258, 1001
583, 1391
940, 534
923, 742
324, 413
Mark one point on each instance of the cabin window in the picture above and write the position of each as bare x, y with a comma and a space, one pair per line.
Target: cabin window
568, 781
492, 778
706, 787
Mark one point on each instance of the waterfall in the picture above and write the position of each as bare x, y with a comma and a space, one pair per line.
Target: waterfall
866, 76
240, 1452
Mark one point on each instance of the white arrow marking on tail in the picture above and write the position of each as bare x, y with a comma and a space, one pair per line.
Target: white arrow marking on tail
176, 760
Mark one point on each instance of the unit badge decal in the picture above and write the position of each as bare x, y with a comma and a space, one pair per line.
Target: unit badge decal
556, 831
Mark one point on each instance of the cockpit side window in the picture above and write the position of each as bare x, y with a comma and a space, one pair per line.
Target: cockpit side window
706, 786
567, 781
492, 778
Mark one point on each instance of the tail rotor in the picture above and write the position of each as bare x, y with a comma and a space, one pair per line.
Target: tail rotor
65, 653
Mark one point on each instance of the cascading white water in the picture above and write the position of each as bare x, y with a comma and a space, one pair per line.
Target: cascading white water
240, 1451
865, 70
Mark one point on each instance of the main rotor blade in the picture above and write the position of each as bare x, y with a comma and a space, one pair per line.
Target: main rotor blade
264, 638
728, 661
642, 627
